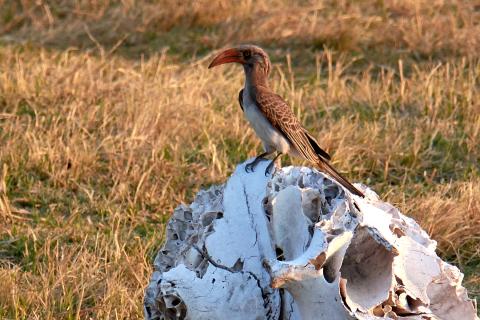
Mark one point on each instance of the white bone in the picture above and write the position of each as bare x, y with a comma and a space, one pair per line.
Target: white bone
296, 246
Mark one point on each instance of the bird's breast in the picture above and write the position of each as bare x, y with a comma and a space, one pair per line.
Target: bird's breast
270, 136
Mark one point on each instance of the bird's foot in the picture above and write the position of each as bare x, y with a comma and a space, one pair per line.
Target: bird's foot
251, 166
271, 165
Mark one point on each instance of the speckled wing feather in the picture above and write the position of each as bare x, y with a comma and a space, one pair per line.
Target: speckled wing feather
281, 116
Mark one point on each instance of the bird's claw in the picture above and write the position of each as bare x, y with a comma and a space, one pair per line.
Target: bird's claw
269, 168
250, 167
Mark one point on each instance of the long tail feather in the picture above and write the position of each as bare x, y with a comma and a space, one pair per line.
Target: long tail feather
327, 168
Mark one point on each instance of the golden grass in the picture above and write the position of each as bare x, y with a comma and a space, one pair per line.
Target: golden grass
109, 119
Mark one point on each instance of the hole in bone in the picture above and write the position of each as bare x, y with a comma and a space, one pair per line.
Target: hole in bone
311, 204
336, 232
265, 201
149, 312
387, 307
325, 210
180, 228
396, 230
315, 212
327, 182
238, 266
170, 299
174, 236
267, 207
163, 262
328, 200
173, 307
170, 233
177, 310
202, 268
208, 217
192, 259
413, 303
210, 229
400, 311
367, 267
378, 311
300, 183
331, 192
279, 253
187, 215
172, 245
219, 215
330, 273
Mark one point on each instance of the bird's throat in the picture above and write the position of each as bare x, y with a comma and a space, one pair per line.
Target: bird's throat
255, 76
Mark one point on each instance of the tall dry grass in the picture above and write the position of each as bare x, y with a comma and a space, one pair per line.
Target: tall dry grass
109, 119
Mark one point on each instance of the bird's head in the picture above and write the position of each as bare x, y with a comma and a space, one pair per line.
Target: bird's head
252, 58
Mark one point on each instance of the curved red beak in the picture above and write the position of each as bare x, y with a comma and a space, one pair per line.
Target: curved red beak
227, 56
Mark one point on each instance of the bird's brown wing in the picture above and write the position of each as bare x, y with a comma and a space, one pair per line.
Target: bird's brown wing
316, 147
281, 116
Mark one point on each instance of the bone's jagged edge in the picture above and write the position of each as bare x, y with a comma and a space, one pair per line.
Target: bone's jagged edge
235, 279
304, 288
414, 250
385, 225
310, 263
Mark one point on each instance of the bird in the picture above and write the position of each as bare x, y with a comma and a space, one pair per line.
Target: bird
271, 117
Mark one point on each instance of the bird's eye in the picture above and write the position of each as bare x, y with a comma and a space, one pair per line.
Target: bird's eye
247, 54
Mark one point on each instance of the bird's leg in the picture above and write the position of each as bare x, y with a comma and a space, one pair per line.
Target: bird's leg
251, 166
271, 164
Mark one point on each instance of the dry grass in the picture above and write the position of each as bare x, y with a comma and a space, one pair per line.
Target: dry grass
109, 119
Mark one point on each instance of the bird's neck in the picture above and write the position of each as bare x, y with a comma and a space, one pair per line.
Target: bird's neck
255, 77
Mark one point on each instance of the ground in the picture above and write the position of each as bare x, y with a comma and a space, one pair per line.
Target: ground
109, 118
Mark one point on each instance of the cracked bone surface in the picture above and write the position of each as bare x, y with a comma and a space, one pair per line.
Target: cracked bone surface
296, 246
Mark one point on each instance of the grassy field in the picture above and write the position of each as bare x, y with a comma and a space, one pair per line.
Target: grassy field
109, 119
